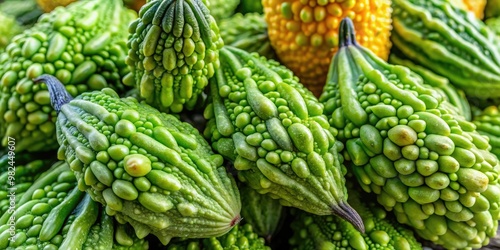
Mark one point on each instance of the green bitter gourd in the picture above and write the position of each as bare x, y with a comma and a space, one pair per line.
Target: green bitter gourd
149, 168
420, 159
84, 45
274, 132
173, 52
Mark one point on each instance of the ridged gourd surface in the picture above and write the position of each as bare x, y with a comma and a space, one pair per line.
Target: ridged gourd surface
450, 42
420, 159
273, 129
173, 52
149, 168
241, 237
312, 232
83, 45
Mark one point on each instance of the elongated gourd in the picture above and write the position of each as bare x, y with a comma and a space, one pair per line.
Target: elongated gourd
174, 49
148, 168
274, 132
406, 147
83, 45
448, 41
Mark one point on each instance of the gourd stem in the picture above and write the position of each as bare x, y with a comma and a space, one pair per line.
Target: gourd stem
348, 213
347, 34
58, 93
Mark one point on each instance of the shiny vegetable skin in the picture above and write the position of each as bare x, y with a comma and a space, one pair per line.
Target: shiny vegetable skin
420, 159
247, 32
84, 45
311, 232
454, 96
18, 172
221, 9
274, 132
261, 211
107, 234
448, 41
40, 215
239, 238
304, 33
174, 50
148, 168
125, 238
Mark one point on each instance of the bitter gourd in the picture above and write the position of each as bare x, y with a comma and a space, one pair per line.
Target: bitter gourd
454, 96
420, 159
247, 32
18, 172
261, 211
448, 41
488, 124
84, 45
39, 217
239, 238
273, 129
312, 232
173, 51
149, 168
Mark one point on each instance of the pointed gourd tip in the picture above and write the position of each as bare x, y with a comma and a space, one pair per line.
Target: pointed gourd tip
236, 220
58, 93
346, 212
347, 34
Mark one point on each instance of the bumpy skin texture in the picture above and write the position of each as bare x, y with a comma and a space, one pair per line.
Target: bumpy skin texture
442, 85
260, 211
27, 170
420, 159
305, 38
83, 45
448, 41
488, 124
149, 168
311, 232
125, 239
247, 32
273, 129
174, 50
221, 9
35, 226
239, 238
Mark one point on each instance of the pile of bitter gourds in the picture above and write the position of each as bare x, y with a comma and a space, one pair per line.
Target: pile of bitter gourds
273, 124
